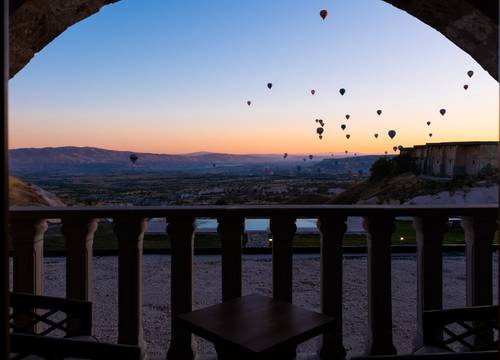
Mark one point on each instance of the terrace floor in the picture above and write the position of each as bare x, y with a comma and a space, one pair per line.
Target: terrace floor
257, 277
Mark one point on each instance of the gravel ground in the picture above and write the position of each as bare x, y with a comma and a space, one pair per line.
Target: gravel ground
257, 278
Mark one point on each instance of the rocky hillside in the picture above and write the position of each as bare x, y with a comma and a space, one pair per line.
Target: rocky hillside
25, 194
409, 188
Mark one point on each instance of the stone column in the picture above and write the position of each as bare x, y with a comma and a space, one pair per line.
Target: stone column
180, 230
27, 237
379, 229
430, 232
283, 230
479, 234
332, 229
231, 229
130, 234
79, 237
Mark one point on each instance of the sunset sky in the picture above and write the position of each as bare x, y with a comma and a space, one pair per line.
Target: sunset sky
174, 77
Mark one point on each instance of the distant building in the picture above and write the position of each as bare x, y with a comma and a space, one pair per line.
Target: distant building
455, 159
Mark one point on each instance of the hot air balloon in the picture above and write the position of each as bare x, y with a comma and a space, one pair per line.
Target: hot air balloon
321, 123
442, 111
320, 130
400, 147
317, 120
470, 73
376, 135
379, 112
213, 165
391, 134
342, 91
249, 103
346, 151
285, 155
395, 148
347, 116
466, 86
320, 137
385, 152
310, 157
269, 85
133, 158
348, 136
343, 126
430, 134
355, 154
323, 13
313, 92
428, 123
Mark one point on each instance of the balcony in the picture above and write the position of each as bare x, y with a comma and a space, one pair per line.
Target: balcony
28, 226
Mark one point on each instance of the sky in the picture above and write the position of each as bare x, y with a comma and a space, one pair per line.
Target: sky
174, 77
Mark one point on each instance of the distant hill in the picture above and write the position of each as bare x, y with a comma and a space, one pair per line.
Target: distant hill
88, 158
24, 194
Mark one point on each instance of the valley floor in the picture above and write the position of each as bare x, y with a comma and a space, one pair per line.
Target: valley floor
257, 278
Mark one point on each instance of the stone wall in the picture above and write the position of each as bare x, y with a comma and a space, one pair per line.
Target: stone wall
454, 159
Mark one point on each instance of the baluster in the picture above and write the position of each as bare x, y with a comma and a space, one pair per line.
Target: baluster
283, 230
332, 229
79, 238
130, 234
379, 229
27, 236
430, 232
181, 233
231, 229
479, 234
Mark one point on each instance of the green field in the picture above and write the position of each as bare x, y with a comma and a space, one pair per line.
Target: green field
105, 240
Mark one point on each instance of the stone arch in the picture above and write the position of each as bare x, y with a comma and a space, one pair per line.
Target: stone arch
472, 25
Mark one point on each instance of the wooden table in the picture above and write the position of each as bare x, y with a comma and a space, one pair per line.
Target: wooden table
255, 327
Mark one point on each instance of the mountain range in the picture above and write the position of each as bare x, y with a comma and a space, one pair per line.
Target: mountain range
70, 158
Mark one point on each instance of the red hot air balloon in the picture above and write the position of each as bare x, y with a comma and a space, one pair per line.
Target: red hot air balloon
269, 86
442, 112
323, 13
466, 87
376, 135
321, 137
430, 134
379, 112
428, 123
313, 92
346, 151
348, 136
395, 148
385, 152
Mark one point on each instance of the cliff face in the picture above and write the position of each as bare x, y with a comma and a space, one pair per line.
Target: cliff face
24, 194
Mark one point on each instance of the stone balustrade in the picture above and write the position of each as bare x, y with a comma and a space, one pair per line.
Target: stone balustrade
28, 226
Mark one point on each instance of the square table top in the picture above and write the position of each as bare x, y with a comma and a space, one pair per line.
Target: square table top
256, 324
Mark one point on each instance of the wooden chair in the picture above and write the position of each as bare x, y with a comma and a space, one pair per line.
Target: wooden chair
463, 334
55, 328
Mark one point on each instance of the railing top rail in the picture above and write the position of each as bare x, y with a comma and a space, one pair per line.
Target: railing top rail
252, 211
